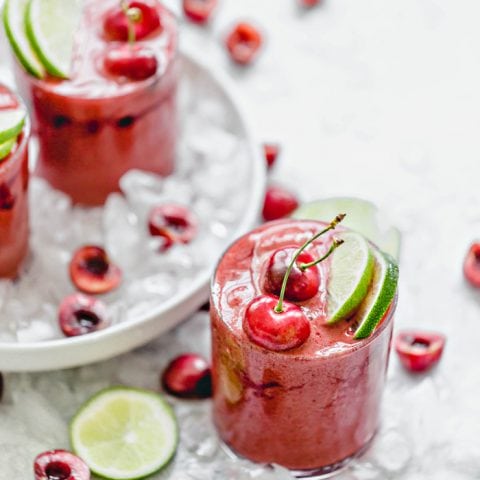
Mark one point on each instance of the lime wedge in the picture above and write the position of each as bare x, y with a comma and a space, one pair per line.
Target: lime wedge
11, 123
51, 28
379, 297
351, 271
6, 147
14, 22
362, 216
125, 433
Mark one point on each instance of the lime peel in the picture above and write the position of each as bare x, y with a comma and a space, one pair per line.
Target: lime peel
11, 123
6, 148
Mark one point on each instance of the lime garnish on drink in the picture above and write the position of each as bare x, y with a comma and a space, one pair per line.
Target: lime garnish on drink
51, 28
351, 271
125, 433
14, 13
6, 148
11, 123
379, 297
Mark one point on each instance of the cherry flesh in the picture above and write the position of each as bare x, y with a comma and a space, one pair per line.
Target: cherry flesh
91, 271
243, 43
419, 351
275, 331
116, 21
7, 200
199, 11
80, 314
301, 285
271, 152
188, 376
60, 465
135, 62
279, 203
174, 223
471, 265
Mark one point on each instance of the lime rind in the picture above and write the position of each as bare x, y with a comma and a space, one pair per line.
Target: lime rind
351, 272
380, 296
125, 433
6, 148
11, 123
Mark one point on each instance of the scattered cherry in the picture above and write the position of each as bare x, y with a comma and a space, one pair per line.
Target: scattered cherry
135, 62
271, 152
243, 43
309, 3
60, 465
188, 376
199, 11
277, 331
301, 285
91, 271
174, 223
471, 265
419, 351
7, 200
279, 203
80, 314
116, 21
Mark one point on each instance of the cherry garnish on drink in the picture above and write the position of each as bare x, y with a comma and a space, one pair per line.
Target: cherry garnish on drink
80, 314
243, 43
91, 270
188, 376
471, 265
419, 351
278, 203
199, 11
271, 152
135, 62
60, 465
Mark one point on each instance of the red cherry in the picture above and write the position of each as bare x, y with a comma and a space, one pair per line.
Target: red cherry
92, 272
174, 223
134, 62
243, 43
188, 376
271, 152
278, 203
419, 351
275, 331
80, 314
115, 23
60, 465
199, 11
7, 200
309, 3
471, 265
301, 284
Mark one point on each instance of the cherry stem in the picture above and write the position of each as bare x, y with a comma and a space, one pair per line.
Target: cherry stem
279, 307
134, 15
336, 243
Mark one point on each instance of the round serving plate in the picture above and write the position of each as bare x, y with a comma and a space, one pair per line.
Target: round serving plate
123, 336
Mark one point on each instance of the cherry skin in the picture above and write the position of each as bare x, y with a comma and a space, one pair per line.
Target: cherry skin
275, 331
271, 152
243, 43
419, 351
80, 314
188, 376
115, 24
60, 465
279, 203
471, 265
91, 271
301, 285
135, 62
199, 11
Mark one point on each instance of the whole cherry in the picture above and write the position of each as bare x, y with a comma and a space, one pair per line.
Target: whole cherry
199, 11
471, 265
243, 43
135, 62
270, 152
309, 3
188, 376
60, 465
419, 351
278, 203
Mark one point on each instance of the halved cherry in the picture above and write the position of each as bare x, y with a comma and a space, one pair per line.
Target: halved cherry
471, 265
92, 271
135, 62
7, 200
271, 152
199, 11
419, 351
279, 202
243, 43
174, 223
275, 331
301, 285
116, 22
60, 465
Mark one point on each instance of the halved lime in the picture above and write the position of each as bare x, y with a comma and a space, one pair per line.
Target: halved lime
51, 28
11, 123
6, 147
351, 271
362, 216
125, 433
379, 297
14, 13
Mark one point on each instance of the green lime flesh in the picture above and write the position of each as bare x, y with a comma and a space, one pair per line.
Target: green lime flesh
6, 148
11, 123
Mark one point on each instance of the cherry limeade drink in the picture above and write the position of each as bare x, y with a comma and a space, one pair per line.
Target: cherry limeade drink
13, 197
98, 124
308, 408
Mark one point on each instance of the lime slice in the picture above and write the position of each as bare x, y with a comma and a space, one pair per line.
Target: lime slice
6, 148
14, 22
379, 297
351, 271
125, 433
11, 123
362, 216
51, 28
